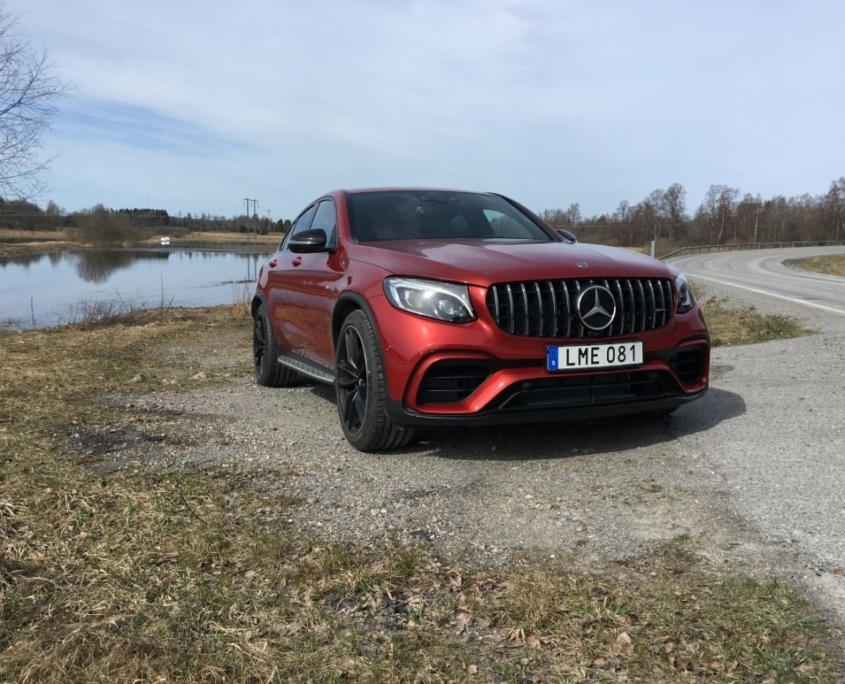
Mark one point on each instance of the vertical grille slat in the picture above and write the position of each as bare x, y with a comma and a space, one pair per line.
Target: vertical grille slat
664, 305
554, 308
512, 311
651, 311
620, 303
633, 306
670, 301
525, 328
568, 309
549, 308
573, 306
641, 305
660, 307
540, 309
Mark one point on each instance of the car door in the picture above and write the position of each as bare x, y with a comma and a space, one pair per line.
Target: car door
305, 287
282, 285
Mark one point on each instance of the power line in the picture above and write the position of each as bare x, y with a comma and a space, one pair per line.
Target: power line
247, 201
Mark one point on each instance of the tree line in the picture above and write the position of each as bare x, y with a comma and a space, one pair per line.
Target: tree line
725, 215
112, 226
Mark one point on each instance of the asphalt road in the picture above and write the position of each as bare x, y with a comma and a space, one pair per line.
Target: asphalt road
772, 274
782, 459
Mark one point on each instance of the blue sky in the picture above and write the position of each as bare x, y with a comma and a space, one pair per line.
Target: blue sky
191, 106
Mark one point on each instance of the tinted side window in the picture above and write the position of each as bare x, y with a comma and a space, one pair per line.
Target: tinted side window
504, 226
326, 218
302, 223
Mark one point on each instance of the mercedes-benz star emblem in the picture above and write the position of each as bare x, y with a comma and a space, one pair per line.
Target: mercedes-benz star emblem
596, 307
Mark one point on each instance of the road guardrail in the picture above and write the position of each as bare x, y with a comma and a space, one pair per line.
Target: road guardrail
700, 249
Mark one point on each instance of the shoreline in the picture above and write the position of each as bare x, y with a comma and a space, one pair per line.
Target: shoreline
16, 243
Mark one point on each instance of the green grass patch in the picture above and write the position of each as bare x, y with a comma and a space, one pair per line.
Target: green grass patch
831, 265
731, 326
196, 575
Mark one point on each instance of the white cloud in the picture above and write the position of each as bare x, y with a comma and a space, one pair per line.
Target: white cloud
201, 103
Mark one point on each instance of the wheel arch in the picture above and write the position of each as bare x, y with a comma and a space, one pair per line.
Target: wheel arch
258, 300
346, 304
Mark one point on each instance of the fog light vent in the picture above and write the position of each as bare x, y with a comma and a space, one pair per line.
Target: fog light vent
451, 381
687, 364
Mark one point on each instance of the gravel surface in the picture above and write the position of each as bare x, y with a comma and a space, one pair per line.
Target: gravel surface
753, 472
600, 489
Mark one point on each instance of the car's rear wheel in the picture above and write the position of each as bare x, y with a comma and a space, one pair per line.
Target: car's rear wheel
265, 353
361, 390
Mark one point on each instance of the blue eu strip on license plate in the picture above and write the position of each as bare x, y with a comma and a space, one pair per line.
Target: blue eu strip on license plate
586, 356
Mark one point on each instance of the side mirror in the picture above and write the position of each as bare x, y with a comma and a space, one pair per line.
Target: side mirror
308, 241
569, 237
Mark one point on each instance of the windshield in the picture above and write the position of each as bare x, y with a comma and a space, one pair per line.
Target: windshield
438, 215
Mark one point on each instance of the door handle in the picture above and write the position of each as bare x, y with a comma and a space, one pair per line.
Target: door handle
297, 261
273, 263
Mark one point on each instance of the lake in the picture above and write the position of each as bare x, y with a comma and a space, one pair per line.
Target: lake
52, 289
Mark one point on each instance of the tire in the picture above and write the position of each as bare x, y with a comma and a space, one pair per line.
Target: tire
361, 389
265, 353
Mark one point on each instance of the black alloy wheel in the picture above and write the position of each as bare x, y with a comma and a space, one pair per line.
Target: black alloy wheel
265, 353
361, 389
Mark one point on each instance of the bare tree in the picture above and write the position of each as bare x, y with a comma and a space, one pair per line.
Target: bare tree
28, 93
573, 214
834, 203
623, 217
717, 210
674, 208
649, 212
748, 213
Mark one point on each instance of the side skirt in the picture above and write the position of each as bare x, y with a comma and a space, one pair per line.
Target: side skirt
307, 368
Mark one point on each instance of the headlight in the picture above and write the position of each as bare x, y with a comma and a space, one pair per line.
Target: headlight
685, 299
443, 301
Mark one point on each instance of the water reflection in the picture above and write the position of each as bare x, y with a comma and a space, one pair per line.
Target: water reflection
38, 290
96, 266
25, 259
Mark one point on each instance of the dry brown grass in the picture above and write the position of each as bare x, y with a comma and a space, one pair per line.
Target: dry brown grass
831, 265
30, 235
23, 243
226, 238
157, 576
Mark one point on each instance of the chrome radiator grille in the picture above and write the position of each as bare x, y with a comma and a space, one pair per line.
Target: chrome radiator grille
549, 308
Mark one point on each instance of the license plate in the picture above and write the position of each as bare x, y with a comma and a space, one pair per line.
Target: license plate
587, 356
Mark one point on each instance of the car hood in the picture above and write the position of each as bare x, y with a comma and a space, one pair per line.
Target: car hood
483, 262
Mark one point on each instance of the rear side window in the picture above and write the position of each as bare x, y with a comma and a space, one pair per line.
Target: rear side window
438, 215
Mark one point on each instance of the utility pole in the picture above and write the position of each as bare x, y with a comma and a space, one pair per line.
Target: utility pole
254, 202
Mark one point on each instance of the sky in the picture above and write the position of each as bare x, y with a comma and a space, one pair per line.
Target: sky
195, 105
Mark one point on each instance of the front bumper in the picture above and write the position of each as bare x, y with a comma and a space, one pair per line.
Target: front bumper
535, 415
457, 392
475, 374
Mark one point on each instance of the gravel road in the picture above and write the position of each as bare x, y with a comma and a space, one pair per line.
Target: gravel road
753, 472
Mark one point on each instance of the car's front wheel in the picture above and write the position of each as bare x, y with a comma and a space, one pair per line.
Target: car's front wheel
361, 390
265, 353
